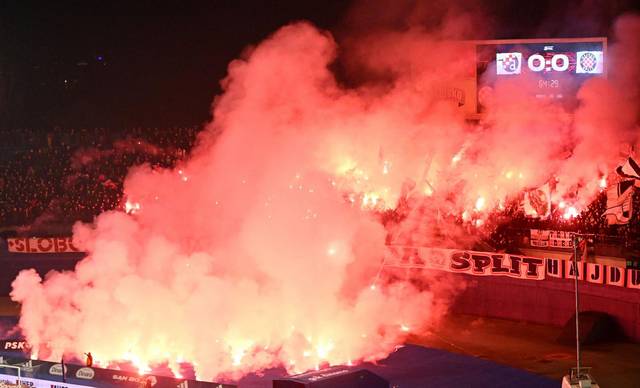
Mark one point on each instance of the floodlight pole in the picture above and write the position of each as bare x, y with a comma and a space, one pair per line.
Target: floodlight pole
575, 282
576, 241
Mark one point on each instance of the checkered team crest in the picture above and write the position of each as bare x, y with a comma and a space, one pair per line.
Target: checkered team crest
589, 62
508, 63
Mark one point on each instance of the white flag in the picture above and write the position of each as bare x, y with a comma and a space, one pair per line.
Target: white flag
629, 169
619, 203
537, 203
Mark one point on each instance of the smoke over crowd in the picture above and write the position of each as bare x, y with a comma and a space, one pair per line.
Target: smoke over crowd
262, 248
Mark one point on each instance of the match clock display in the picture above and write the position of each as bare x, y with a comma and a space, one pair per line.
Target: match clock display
549, 69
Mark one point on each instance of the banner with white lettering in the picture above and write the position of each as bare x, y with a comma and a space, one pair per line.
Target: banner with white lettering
14, 346
41, 245
45, 374
539, 238
550, 239
38, 383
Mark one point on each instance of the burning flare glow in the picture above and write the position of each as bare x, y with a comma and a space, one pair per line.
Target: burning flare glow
267, 252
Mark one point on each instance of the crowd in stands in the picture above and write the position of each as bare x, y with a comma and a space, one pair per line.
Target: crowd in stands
509, 235
63, 175
66, 175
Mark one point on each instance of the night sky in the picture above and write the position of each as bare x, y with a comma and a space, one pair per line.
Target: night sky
151, 63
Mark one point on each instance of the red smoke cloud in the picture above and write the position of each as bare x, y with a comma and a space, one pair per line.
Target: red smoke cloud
255, 252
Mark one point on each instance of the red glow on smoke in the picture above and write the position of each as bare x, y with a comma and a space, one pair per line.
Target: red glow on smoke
262, 250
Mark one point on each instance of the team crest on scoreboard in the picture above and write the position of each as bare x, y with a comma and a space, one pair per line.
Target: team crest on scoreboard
589, 62
508, 63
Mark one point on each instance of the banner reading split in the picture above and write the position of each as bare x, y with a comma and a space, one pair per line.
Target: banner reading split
469, 262
515, 266
41, 245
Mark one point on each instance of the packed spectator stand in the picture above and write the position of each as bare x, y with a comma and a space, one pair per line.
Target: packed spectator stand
50, 179
56, 177
608, 240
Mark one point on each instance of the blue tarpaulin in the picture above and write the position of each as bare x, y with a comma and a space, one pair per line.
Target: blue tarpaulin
414, 366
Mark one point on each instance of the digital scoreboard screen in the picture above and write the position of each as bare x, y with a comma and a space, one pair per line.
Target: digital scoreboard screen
552, 69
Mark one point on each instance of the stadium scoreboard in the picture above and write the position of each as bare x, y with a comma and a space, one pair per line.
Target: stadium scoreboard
551, 69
